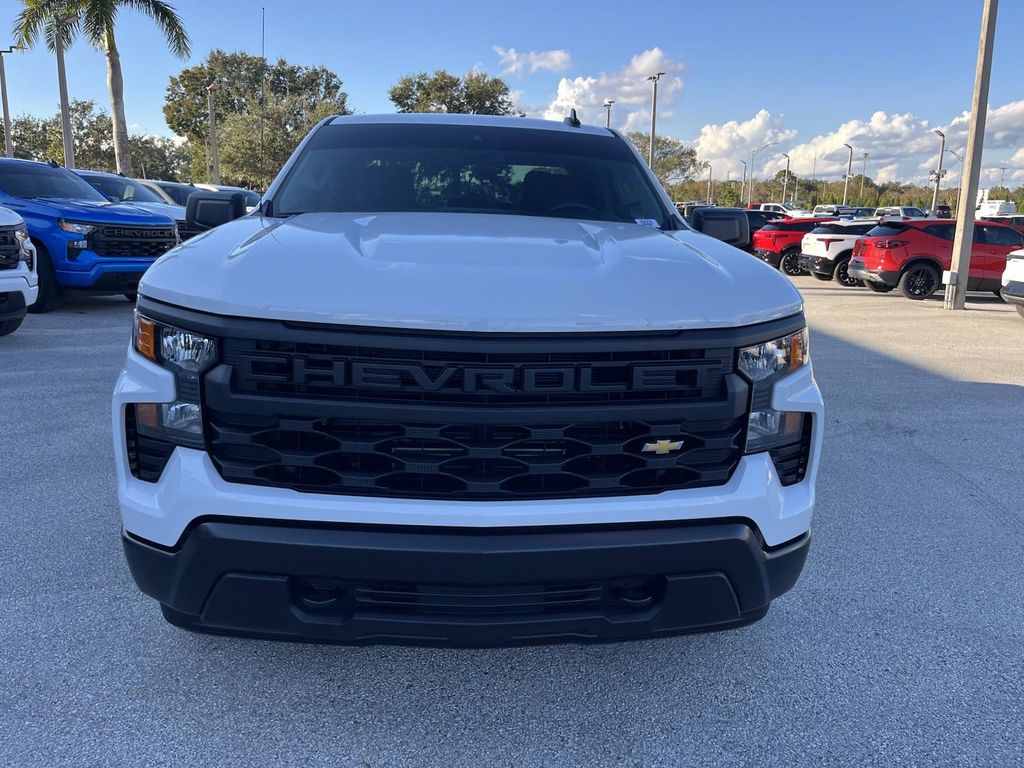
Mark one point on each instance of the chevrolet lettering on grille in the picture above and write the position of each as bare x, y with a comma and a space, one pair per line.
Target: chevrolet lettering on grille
490, 379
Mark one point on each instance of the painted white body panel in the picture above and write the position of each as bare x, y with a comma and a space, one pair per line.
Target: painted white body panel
469, 271
21, 279
815, 245
1014, 271
190, 486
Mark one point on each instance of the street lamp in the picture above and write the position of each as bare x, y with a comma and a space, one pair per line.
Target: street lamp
1002, 177
863, 175
213, 131
785, 179
654, 116
958, 156
608, 112
8, 139
743, 183
938, 171
708, 166
849, 167
750, 183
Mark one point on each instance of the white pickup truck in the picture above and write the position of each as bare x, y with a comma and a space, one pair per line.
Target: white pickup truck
463, 380
19, 281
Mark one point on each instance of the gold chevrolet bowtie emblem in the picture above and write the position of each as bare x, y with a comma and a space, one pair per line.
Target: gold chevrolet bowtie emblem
661, 447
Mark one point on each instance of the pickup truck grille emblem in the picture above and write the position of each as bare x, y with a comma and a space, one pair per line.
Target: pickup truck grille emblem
661, 447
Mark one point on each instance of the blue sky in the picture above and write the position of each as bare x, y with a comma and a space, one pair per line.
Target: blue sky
808, 75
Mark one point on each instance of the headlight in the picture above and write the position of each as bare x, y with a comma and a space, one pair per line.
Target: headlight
781, 433
21, 235
188, 355
76, 227
776, 357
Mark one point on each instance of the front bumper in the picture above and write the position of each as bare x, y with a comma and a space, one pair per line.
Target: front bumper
21, 281
1012, 292
419, 586
98, 273
858, 270
817, 264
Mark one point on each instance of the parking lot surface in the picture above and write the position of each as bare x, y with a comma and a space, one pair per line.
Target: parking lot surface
903, 642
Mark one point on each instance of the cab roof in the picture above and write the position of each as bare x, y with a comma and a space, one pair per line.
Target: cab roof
444, 118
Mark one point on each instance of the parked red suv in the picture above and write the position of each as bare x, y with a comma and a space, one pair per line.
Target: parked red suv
911, 254
778, 242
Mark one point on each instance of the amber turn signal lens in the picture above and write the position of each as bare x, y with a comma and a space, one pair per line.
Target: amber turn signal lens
145, 337
147, 415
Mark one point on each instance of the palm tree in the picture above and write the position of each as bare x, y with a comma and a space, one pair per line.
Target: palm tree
96, 20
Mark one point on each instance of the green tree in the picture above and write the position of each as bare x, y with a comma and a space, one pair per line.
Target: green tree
673, 160
728, 194
160, 157
95, 20
475, 94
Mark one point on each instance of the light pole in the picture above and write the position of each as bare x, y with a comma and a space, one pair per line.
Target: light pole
863, 175
849, 167
785, 179
963, 237
608, 112
708, 166
750, 182
1002, 177
213, 132
654, 116
958, 156
743, 183
8, 139
938, 171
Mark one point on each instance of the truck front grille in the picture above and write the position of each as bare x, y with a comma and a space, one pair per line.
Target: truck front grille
10, 250
132, 242
473, 461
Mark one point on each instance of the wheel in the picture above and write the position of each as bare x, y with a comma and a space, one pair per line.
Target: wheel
132, 297
819, 276
878, 287
842, 275
50, 296
10, 326
919, 282
790, 263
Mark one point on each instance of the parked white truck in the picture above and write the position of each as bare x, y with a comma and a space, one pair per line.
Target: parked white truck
19, 280
463, 380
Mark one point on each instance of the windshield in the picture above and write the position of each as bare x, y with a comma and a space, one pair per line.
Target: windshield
469, 169
179, 193
914, 212
35, 181
126, 190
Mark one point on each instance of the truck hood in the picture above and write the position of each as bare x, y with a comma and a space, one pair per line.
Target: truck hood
477, 272
9, 218
95, 212
173, 212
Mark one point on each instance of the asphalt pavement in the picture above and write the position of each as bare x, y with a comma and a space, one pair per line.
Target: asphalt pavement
903, 642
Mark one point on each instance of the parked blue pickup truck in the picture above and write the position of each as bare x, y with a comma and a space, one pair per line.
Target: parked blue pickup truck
84, 242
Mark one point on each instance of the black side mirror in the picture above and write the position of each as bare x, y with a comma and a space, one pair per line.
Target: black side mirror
206, 210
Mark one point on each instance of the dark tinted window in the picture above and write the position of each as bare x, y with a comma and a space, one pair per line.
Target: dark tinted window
756, 218
34, 181
1002, 236
179, 193
126, 190
887, 230
944, 231
469, 169
790, 226
839, 229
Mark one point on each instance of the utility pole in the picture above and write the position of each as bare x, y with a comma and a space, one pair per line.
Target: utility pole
814, 178
956, 288
754, 153
654, 116
958, 156
213, 132
863, 176
743, 183
708, 166
608, 112
1002, 177
938, 172
8, 139
849, 167
785, 179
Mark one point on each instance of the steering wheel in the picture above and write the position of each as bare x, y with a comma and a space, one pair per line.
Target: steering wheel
587, 211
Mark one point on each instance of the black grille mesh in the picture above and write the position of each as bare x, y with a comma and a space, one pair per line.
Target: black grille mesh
10, 250
471, 462
138, 242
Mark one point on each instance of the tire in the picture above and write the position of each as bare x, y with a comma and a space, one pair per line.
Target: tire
50, 295
919, 282
819, 276
789, 264
999, 295
10, 326
132, 297
878, 287
842, 275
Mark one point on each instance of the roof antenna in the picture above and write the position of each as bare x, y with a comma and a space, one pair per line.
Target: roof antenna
572, 120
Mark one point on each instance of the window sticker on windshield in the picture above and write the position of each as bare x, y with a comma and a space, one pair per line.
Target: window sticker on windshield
647, 222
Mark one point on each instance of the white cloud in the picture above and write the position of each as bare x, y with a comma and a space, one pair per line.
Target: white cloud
628, 87
725, 145
530, 62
